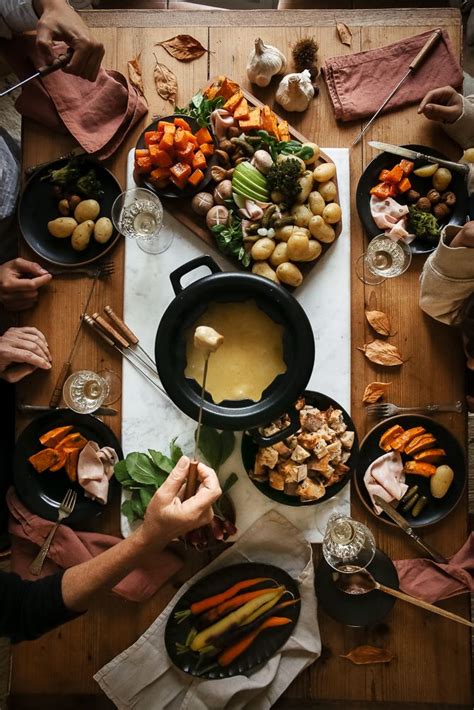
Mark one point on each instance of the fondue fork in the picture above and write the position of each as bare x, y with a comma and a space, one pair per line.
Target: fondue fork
120, 341
127, 332
192, 475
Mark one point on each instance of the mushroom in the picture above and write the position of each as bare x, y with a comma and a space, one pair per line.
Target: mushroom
207, 339
433, 196
202, 202
424, 204
449, 198
262, 161
217, 215
441, 210
223, 192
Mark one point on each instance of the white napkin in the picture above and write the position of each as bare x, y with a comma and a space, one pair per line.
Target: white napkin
143, 676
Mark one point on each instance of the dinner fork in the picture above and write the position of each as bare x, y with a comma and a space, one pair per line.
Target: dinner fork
65, 509
384, 410
103, 271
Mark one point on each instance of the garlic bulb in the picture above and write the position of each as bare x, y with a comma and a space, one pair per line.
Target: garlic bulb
295, 91
264, 62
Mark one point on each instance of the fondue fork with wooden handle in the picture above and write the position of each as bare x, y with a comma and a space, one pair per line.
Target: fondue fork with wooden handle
120, 341
127, 333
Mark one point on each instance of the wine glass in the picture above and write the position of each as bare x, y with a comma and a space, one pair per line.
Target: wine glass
348, 546
85, 391
384, 259
138, 214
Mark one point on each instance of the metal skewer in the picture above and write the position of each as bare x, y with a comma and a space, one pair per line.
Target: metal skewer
127, 332
192, 475
121, 341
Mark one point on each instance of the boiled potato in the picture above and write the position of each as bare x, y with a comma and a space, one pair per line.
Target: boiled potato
316, 202
262, 249
262, 268
301, 214
316, 151
314, 250
327, 190
468, 155
103, 229
282, 158
86, 209
284, 233
62, 227
289, 274
63, 207
306, 184
280, 254
324, 172
322, 231
441, 179
331, 213
82, 235
426, 170
297, 246
441, 481
277, 196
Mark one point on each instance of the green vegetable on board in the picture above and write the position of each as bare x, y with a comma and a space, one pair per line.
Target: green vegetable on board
229, 239
201, 108
423, 224
283, 177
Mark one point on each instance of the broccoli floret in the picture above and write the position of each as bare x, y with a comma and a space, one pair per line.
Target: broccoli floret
284, 178
424, 224
89, 186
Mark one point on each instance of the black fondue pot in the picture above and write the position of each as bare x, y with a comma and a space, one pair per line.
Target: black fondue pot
278, 304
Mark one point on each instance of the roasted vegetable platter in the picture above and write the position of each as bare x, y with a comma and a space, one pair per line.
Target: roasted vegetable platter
232, 621
272, 202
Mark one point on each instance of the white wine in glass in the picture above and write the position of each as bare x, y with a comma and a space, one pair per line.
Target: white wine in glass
384, 259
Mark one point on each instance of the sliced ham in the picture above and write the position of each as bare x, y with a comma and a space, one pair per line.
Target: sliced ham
221, 120
391, 216
94, 469
385, 478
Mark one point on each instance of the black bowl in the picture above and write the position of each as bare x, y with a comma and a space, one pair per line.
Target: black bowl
38, 205
182, 313
171, 190
436, 508
42, 493
370, 177
249, 451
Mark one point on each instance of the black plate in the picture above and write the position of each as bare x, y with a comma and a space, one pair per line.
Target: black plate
43, 493
249, 451
171, 190
361, 609
267, 643
370, 177
38, 205
436, 509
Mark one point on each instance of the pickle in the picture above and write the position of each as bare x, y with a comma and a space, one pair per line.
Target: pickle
419, 506
410, 503
410, 492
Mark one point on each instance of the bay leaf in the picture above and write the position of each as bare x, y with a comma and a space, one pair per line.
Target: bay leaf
379, 321
363, 655
375, 391
135, 74
166, 82
183, 47
345, 35
382, 353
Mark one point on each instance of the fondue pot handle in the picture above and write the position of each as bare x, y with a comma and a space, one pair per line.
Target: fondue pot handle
292, 428
177, 274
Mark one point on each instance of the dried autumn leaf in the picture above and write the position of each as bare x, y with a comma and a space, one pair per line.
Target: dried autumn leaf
369, 654
135, 74
165, 82
345, 35
183, 47
379, 321
382, 353
375, 391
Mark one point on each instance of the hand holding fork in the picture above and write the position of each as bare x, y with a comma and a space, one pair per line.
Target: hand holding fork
65, 509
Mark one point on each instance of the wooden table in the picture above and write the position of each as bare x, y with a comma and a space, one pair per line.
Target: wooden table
432, 668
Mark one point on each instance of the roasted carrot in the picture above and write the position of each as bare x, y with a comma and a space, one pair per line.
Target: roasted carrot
230, 654
233, 603
209, 602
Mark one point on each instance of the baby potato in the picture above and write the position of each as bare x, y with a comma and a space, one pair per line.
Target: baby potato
289, 274
441, 179
284, 233
314, 250
324, 172
441, 481
262, 249
63, 207
62, 227
282, 158
306, 184
82, 235
297, 246
316, 151
468, 155
86, 209
327, 190
316, 202
103, 229
322, 231
262, 268
280, 254
331, 213
301, 214
277, 196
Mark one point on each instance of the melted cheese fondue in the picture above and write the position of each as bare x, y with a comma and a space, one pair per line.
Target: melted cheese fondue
250, 357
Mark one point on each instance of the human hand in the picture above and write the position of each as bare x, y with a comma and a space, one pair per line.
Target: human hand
465, 237
59, 21
168, 516
443, 104
23, 350
19, 283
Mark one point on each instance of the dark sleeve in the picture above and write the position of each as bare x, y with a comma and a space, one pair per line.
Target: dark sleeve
30, 609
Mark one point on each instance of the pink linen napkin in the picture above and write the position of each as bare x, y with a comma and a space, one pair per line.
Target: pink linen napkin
385, 478
98, 115
430, 581
359, 83
70, 548
95, 468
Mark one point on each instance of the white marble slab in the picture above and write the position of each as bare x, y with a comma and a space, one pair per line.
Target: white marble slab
149, 420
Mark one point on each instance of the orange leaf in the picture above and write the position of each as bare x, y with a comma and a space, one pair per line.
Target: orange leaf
382, 353
183, 47
345, 35
379, 321
375, 391
368, 654
135, 74
165, 82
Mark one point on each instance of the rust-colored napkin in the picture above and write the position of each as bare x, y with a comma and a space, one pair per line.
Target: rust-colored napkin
430, 581
359, 83
98, 115
70, 548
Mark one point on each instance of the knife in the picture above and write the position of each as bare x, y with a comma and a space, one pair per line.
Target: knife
414, 155
39, 409
402, 523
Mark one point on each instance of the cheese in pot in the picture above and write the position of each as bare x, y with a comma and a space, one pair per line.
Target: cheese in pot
250, 357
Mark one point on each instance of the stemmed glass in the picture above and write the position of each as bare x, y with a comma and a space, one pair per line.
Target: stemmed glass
384, 259
138, 214
85, 391
348, 546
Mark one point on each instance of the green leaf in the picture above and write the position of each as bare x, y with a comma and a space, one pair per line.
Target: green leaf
230, 481
163, 462
175, 451
197, 99
137, 506
146, 494
121, 471
127, 510
210, 446
128, 483
227, 445
141, 468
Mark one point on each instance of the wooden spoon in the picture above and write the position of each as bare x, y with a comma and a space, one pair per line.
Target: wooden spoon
362, 582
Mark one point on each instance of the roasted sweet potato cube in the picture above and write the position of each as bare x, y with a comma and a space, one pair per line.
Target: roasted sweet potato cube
430, 455
72, 457
72, 441
60, 463
52, 437
44, 459
388, 436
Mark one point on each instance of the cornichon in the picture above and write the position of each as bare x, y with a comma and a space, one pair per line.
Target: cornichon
410, 503
419, 506
411, 491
